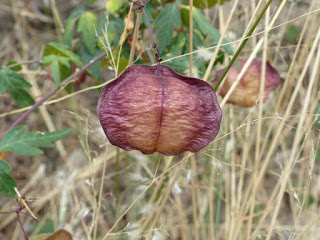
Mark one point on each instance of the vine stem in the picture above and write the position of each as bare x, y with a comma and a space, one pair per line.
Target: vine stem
154, 44
53, 91
243, 43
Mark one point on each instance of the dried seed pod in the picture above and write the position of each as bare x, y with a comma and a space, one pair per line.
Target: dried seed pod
154, 109
248, 90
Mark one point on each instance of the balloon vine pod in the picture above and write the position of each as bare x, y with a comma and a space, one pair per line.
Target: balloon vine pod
154, 109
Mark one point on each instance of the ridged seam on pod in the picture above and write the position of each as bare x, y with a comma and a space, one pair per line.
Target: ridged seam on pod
154, 109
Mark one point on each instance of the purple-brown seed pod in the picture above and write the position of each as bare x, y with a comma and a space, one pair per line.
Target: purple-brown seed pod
154, 109
248, 90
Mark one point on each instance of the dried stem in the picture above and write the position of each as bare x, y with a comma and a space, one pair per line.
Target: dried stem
243, 43
135, 38
21, 226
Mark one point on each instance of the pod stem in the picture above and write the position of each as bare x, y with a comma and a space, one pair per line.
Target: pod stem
139, 5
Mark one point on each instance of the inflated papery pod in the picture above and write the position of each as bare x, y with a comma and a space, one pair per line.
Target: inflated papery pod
247, 91
154, 109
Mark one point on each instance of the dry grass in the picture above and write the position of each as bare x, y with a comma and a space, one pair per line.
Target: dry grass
259, 179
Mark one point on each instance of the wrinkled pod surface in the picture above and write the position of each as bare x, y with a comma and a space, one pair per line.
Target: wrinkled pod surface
247, 92
154, 109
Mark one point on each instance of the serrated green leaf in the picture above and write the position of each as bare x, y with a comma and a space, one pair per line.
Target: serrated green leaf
4, 167
14, 83
59, 49
11, 80
25, 144
168, 18
7, 184
87, 26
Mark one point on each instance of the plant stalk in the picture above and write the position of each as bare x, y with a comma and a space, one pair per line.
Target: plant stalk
243, 43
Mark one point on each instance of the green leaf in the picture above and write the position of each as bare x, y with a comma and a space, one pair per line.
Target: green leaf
204, 25
7, 183
318, 156
76, 13
114, 5
89, 2
177, 45
67, 36
202, 3
292, 34
86, 57
55, 69
14, 83
4, 167
22, 97
15, 68
47, 226
59, 49
56, 62
87, 26
168, 18
198, 41
25, 144
69, 26
149, 9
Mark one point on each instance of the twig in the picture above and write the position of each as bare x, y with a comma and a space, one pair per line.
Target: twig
52, 91
22, 63
25, 205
